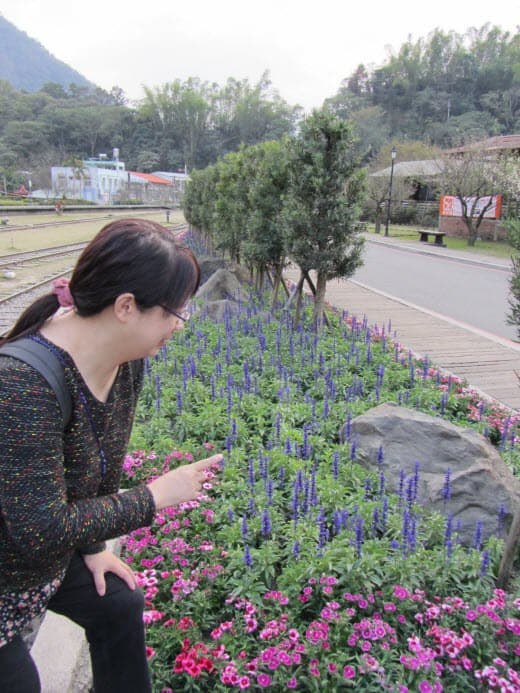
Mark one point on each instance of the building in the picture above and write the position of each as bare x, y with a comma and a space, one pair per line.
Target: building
425, 177
106, 181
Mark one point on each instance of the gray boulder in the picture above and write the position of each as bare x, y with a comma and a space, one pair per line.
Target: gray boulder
210, 265
222, 284
480, 481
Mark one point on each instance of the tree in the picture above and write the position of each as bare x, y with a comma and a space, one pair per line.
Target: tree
323, 202
473, 177
263, 245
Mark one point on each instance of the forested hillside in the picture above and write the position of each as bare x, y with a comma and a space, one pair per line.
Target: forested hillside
443, 90
27, 65
179, 124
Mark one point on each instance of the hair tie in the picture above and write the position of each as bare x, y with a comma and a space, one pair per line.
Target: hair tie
60, 287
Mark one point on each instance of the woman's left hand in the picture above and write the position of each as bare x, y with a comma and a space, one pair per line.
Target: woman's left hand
107, 562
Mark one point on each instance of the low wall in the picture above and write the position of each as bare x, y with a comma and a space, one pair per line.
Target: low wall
489, 229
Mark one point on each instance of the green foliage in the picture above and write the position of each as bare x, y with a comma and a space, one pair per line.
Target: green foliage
444, 89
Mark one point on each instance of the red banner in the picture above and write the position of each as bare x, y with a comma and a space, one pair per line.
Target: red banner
451, 206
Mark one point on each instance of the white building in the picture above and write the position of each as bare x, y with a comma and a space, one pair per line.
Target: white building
105, 181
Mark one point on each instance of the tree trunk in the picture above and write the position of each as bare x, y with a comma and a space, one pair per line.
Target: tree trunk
276, 285
298, 290
319, 298
314, 291
472, 231
378, 220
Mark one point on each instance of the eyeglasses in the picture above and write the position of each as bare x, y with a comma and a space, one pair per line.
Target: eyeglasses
184, 315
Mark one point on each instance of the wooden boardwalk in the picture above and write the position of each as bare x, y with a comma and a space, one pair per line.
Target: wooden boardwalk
488, 363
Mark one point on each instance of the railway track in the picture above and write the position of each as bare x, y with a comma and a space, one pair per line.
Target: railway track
4, 228
12, 306
37, 255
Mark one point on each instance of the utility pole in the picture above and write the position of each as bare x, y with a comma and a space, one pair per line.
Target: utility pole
394, 154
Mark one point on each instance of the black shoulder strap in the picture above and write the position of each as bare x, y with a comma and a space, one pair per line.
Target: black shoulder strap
47, 364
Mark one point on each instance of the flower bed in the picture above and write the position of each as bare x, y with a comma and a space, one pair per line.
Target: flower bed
296, 568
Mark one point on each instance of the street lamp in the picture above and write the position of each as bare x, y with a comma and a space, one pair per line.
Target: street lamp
394, 154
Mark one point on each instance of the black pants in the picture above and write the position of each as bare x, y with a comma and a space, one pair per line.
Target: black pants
114, 629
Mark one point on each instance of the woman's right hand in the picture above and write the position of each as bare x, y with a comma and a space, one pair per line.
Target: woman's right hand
181, 484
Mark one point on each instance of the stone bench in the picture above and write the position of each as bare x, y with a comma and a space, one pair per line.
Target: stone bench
424, 236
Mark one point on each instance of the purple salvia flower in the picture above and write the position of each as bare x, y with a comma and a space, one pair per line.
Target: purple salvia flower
359, 536
247, 556
368, 488
269, 491
484, 565
375, 522
412, 534
353, 450
296, 549
288, 447
446, 489
277, 427
326, 408
426, 367
409, 492
448, 534
266, 523
281, 475
416, 481
400, 491
298, 481
252, 508
179, 401
230, 514
501, 519
404, 530
244, 528
478, 535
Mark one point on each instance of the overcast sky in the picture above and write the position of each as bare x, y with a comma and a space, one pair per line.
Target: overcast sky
308, 47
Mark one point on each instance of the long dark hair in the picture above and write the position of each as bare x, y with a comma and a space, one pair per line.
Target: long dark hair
128, 255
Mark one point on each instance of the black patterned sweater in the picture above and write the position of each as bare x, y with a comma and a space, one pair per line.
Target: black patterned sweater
54, 497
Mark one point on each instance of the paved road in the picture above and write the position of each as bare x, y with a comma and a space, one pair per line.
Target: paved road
476, 295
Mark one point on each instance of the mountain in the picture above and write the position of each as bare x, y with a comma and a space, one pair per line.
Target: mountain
27, 65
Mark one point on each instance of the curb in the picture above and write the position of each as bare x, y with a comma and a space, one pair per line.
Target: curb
445, 256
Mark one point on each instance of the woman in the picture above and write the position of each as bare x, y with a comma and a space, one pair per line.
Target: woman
59, 497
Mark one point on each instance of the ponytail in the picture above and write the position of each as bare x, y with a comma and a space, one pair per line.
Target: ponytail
32, 318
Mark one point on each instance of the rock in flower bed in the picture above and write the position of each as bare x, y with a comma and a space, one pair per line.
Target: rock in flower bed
296, 568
